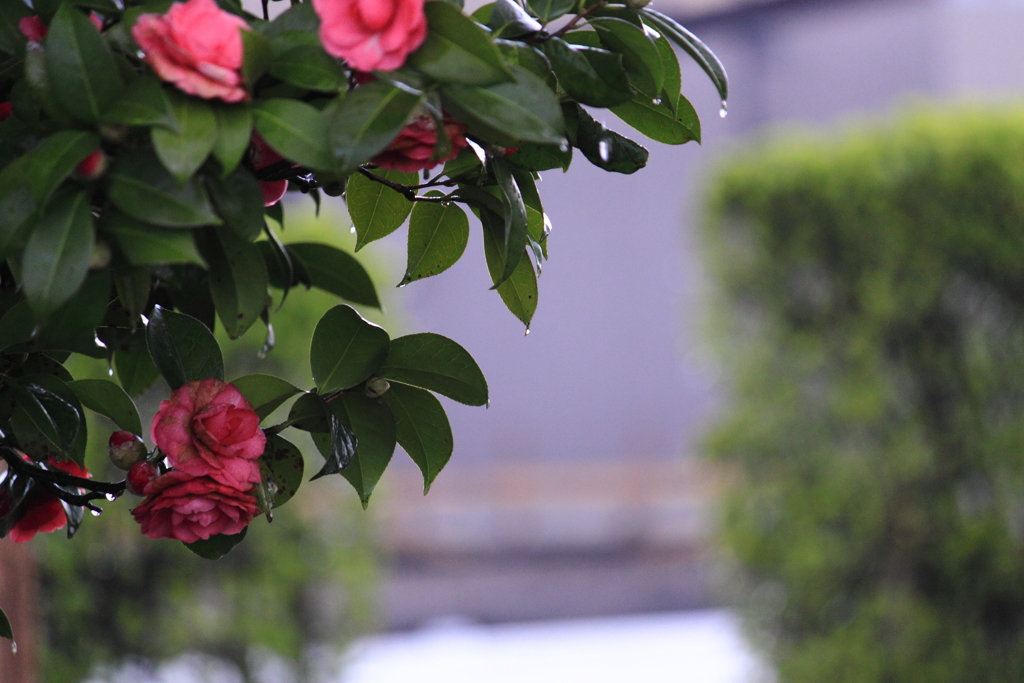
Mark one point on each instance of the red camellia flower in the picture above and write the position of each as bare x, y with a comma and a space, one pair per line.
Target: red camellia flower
190, 509
42, 511
263, 155
208, 429
32, 28
412, 150
197, 46
371, 34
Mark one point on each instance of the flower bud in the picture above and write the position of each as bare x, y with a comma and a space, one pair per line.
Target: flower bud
92, 166
139, 476
125, 449
6, 109
375, 387
100, 256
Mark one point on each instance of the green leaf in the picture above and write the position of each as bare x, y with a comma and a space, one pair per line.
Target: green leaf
135, 371
265, 392
256, 56
144, 103
295, 18
133, 284
296, 130
285, 464
519, 292
184, 151
216, 547
17, 205
546, 10
515, 219
83, 76
670, 65
238, 278
239, 202
605, 148
335, 271
71, 327
365, 122
183, 349
529, 58
438, 234
374, 427
12, 41
109, 399
422, 429
640, 55
144, 244
57, 255
30, 415
693, 46
509, 20
457, 49
659, 121
56, 158
52, 414
337, 445
234, 130
5, 627
508, 113
308, 66
589, 75
376, 209
346, 349
140, 186
430, 361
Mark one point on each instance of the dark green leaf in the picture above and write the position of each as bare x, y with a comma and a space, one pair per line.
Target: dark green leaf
670, 65
238, 278
422, 429
640, 56
607, 149
144, 103
659, 121
135, 371
295, 130
133, 285
546, 10
295, 18
591, 76
457, 49
346, 349
515, 220
234, 130
12, 42
376, 209
308, 66
55, 159
283, 271
519, 292
438, 234
183, 349
83, 76
430, 361
71, 327
509, 20
309, 413
38, 77
529, 58
365, 122
508, 113
335, 271
57, 255
256, 56
239, 202
374, 427
142, 188
184, 151
5, 627
338, 444
693, 46
52, 413
285, 464
145, 244
216, 547
265, 392
30, 417
109, 399
16, 205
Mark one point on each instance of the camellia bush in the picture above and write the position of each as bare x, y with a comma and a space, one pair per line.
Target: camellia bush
144, 149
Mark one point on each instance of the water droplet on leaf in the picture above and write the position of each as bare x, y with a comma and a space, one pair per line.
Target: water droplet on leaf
14, 648
111, 497
724, 111
95, 513
563, 146
352, 230
656, 101
604, 149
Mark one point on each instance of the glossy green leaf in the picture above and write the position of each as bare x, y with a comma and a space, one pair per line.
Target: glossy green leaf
52, 410
72, 326
284, 462
238, 278
140, 186
374, 427
366, 121
670, 65
422, 429
376, 209
135, 371
144, 244
82, 73
346, 349
265, 392
509, 20
217, 546
109, 399
508, 113
337, 444
57, 255
335, 271
640, 55
438, 234
239, 202
519, 292
234, 131
144, 103
38, 77
529, 58
296, 130
659, 121
515, 220
300, 17
183, 349
308, 66
256, 56
30, 415
457, 49
56, 158
430, 361
546, 10
693, 46
605, 148
603, 86
184, 151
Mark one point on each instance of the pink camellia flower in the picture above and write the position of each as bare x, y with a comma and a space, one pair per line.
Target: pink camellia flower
263, 155
190, 509
43, 512
412, 150
32, 28
371, 34
197, 46
209, 429
139, 476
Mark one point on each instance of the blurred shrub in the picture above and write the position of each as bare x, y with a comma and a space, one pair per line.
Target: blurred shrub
113, 597
874, 332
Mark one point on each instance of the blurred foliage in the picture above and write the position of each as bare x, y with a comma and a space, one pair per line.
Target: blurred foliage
873, 328
113, 596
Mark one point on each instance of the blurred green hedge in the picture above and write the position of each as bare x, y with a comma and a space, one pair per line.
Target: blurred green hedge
872, 329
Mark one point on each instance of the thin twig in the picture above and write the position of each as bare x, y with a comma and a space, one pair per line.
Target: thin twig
582, 15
